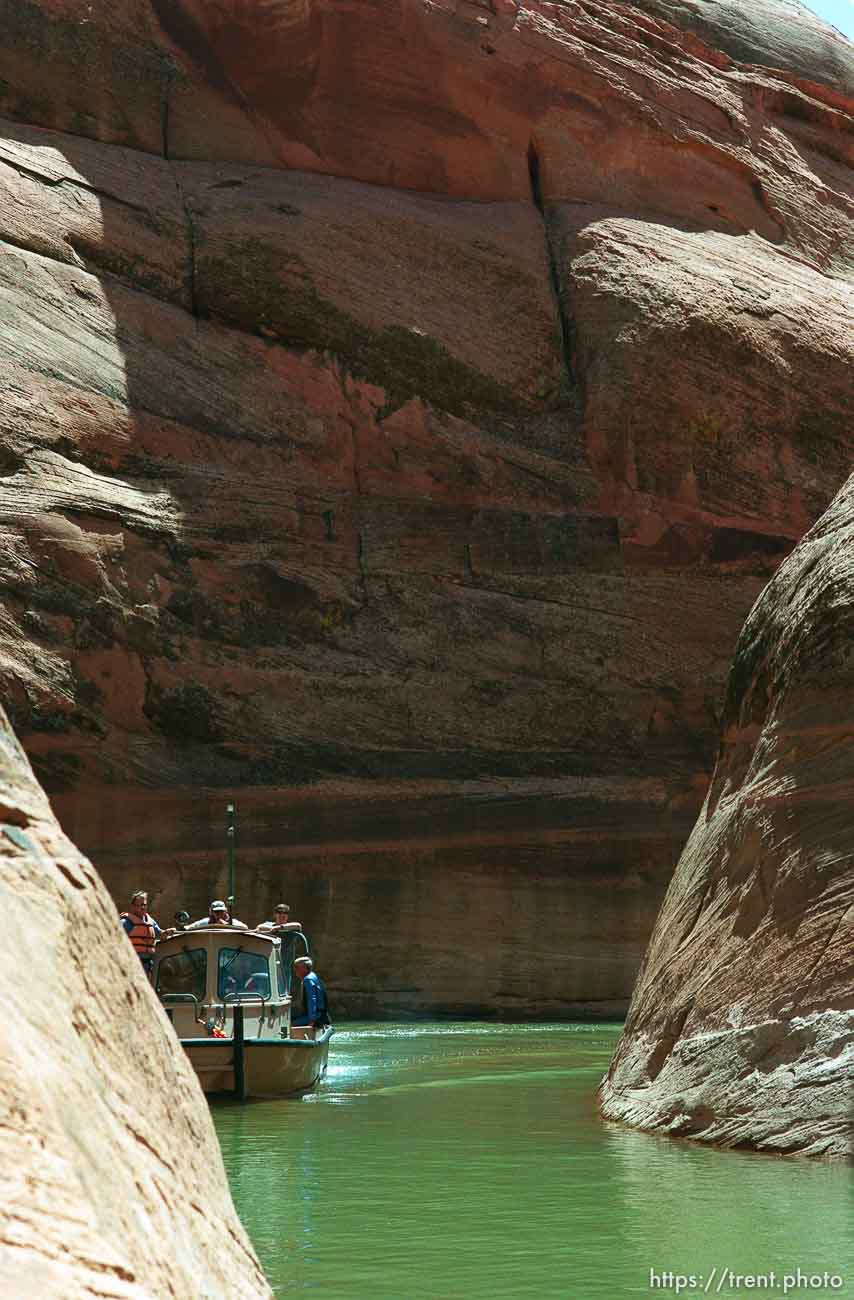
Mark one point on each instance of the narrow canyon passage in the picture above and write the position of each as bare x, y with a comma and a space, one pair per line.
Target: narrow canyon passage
405, 406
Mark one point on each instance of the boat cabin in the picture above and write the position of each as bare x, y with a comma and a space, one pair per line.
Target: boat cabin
200, 976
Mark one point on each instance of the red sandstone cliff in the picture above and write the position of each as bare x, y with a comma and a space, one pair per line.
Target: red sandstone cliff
111, 1180
741, 1028
398, 444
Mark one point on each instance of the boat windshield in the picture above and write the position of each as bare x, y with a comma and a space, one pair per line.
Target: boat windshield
292, 945
185, 972
243, 972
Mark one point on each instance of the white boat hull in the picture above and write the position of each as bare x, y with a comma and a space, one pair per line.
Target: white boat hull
271, 1067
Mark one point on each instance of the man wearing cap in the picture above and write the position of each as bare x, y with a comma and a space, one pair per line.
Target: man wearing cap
218, 915
281, 920
314, 995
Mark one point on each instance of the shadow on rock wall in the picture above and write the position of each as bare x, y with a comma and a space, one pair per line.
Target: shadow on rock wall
421, 523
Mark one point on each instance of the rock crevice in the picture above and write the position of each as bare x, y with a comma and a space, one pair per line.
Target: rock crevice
564, 323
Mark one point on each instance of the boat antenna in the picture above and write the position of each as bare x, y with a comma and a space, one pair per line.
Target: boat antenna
229, 812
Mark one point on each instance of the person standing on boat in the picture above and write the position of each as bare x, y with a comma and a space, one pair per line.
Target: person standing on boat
218, 915
281, 918
314, 995
142, 929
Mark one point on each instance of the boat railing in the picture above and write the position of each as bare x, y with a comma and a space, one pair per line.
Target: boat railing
178, 999
245, 995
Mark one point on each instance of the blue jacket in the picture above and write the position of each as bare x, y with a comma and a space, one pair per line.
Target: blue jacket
314, 995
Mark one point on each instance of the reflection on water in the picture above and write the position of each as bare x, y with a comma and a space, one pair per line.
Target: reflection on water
445, 1161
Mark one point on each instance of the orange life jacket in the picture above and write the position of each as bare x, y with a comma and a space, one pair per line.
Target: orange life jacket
141, 935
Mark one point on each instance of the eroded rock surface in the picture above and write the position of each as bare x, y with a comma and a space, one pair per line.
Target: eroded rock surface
400, 451
780, 34
741, 1029
111, 1180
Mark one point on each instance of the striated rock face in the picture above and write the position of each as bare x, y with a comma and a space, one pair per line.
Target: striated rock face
781, 34
741, 1029
111, 1180
397, 444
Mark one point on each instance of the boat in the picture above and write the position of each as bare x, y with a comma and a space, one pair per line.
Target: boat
228, 995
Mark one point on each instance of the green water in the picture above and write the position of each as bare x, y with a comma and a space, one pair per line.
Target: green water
443, 1161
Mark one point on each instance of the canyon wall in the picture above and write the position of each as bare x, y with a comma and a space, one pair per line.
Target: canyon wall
741, 1028
111, 1179
396, 446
